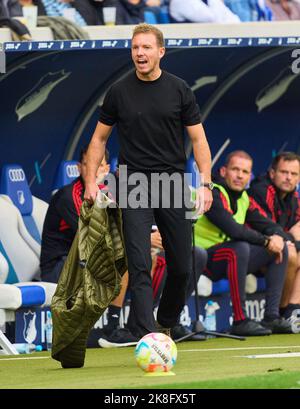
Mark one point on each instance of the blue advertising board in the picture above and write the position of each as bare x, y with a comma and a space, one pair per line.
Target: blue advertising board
30, 322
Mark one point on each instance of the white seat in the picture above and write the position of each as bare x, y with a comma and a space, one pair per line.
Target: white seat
39, 211
251, 284
21, 223
204, 286
22, 251
10, 297
4, 268
27, 294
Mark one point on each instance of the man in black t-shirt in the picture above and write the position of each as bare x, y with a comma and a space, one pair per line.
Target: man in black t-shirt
59, 230
152, 108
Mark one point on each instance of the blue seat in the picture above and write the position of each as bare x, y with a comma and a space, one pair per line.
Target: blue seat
68, 171
264, 13
250, 10
261, 284
150, 17
192, 173
65, 174
164, 15
113, 165
220, 286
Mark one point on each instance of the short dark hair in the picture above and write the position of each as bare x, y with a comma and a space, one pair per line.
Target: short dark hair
239, 153
285, 156
84, 149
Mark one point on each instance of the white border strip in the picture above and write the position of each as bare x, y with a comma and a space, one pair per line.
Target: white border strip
29, 357
288, 355
238, 349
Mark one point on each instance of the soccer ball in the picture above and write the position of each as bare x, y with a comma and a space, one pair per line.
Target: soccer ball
156, 352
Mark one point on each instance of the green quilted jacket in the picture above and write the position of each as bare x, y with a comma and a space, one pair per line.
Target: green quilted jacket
89, 281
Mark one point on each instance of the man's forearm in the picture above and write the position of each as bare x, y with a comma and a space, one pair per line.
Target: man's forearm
96, 151
95, 155
201, 151
202, 157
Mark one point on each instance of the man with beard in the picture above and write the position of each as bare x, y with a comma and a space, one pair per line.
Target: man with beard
276, 194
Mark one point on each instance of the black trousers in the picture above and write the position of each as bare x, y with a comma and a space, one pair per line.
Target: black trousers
52, 276
176, 232
200, 264
234, 260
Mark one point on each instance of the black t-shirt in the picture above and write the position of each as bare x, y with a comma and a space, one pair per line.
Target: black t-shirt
150, 117
61, 224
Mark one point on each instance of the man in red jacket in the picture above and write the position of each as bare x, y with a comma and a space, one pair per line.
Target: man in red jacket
276, 194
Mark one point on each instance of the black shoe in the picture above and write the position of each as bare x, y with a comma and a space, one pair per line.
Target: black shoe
278, 325
249, 328
108, 329
289, 310
180, 331
163, 330
120, 337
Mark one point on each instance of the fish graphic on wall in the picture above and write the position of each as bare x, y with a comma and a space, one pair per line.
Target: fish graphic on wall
202, 81
275, 89
36, 97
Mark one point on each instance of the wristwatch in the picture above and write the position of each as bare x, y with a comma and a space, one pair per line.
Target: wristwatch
209, 185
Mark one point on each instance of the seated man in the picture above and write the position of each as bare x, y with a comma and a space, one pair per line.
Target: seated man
276, 194
10, 8
234, 249
198, 11
56, 8
130, 12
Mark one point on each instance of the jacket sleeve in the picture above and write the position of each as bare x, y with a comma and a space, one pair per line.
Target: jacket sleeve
262, 214
220, 215
298, 210
67, 211
264, 199
257, 219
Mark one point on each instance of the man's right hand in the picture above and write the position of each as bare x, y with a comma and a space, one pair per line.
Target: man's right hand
276, 245
91, 191
156, 240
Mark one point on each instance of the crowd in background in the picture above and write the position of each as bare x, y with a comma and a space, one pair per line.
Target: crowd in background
90, 12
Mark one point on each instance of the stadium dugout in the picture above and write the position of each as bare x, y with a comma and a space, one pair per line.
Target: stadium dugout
245, 78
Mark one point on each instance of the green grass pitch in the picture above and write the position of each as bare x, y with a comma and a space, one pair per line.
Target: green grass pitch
217, 363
